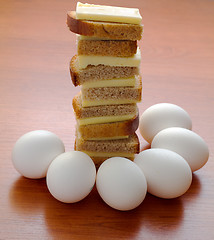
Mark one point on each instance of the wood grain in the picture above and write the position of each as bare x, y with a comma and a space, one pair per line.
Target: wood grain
36, 93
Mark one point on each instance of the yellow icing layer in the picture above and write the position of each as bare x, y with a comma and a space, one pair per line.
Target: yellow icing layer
109, 154
105, 119
108, 13
89, 103
134, 61
120, 82
109, 138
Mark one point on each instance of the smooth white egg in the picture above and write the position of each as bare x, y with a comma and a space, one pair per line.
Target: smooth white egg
168, 175
121, 183
161, 116
71, 176
34, 151
186, 143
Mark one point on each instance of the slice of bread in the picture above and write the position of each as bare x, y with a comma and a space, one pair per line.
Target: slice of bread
102, 150
129, 145
108, 30
108, 130
115, 48
101, 111
96, 73
112, 95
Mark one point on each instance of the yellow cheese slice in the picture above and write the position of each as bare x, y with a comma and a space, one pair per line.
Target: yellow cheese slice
120, 82
105, 119
108, 13
82, 37
85, 60
109, 154
90, 103
108, 138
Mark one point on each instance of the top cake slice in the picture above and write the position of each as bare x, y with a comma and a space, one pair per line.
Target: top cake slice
105, 13
104, 30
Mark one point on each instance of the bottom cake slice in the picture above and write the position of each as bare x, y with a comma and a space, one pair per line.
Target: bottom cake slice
104, 149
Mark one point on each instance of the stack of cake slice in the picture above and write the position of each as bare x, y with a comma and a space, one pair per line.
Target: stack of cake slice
107, 69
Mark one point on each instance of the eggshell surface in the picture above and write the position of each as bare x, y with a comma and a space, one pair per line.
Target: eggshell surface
161, 116
71, 176
121, 183
34, 151
186, 143
168, 175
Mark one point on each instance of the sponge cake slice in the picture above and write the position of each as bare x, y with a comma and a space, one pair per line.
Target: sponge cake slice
100, 72
102, 150
108, 30
112, 95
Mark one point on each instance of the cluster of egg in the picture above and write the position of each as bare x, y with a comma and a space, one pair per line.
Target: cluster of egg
164, 170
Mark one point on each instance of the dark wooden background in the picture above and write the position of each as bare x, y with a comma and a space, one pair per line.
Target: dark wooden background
36, 93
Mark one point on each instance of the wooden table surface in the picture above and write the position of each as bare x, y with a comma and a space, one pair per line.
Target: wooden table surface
36, 93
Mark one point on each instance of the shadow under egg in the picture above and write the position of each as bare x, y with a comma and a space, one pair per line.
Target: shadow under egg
27, 196
90, 217
164, 214
194, 190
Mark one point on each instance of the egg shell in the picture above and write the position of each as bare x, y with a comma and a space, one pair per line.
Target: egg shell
121, 183
71, 176
34, 151
161, 116
186, 143
168, 175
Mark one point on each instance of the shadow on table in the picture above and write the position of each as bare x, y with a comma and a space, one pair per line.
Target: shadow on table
27, 196
92, 217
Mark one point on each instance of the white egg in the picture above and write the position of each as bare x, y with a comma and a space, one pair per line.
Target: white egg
161, 116
71, 176
34, 151
168, 175
186, 143
121, 183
